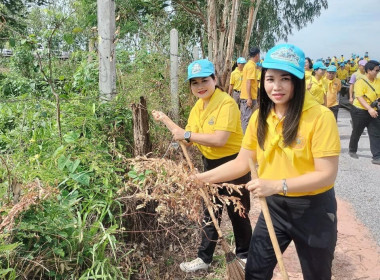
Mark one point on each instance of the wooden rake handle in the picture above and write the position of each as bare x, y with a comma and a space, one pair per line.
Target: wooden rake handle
268, 221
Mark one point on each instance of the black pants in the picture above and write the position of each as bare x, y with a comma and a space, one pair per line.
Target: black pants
241, 226
335, 110
361, 119
310, 222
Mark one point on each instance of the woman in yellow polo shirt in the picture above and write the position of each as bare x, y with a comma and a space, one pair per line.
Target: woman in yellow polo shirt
316, 87
365, 113
214, 127
295, 142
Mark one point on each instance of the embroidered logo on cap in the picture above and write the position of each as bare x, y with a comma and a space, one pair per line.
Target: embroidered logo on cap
286, 54
197, 68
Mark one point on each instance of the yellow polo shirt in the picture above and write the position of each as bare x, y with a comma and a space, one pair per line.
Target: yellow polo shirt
317, 137
308, 74
222, 113
236, 79
361, 88
359, 75
342, 74
249, 73
317, 89
333, 87
258, 73
353, 69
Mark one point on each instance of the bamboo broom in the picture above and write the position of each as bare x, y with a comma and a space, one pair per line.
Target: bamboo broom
268, 221
235, 266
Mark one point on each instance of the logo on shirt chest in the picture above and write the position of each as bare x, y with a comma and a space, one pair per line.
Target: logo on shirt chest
211, 121
299, 143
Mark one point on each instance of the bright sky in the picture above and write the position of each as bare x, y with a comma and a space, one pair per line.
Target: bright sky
346, 27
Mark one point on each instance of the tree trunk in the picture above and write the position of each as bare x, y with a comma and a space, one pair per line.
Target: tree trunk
251, 20
230, 44
141, 128
211, 30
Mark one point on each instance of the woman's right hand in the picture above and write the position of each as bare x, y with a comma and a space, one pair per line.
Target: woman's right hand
373, 113
158, 115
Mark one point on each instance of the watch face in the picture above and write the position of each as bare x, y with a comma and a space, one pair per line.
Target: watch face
187, 134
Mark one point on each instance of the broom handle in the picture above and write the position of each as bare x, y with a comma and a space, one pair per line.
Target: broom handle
268, 221
203, 192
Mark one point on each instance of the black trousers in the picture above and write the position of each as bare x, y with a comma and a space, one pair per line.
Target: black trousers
310, 222
361, 119
335, 110
241, 225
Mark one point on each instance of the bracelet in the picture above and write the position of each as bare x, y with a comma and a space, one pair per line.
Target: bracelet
284, 187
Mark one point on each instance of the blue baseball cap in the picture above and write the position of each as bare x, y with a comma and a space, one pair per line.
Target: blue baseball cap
200, 68
241, 60
342, 64
286, 57
331, 68
258, 64
319, 65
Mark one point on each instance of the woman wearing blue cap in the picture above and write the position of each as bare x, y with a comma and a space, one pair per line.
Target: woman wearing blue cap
295, 142
214, 127
236, 80
316, 86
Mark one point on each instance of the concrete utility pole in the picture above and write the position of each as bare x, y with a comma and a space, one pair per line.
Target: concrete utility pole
174, 73
107, 56
195, 53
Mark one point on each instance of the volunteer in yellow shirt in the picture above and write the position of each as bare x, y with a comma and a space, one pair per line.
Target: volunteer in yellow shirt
308, 70
365, 114
342, 73
258, 74
353, 67
214, 128
236, 79
333, 86
316, 87
359, 74
248, 93
295, 142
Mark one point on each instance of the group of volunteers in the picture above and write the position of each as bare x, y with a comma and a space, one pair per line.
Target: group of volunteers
294, 141
324, 79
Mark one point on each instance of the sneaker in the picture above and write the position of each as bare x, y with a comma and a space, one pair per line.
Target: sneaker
353, 155
244, 262
194, 265
376, 161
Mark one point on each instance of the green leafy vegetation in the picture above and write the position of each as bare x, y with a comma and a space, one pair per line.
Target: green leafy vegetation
71, 202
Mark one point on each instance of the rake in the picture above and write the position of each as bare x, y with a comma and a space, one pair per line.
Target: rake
235, 266
268, 221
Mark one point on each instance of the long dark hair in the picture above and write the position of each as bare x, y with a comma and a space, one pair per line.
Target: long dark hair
292, 116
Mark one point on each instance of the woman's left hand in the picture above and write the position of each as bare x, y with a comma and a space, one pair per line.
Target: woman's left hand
178, 133
264, 187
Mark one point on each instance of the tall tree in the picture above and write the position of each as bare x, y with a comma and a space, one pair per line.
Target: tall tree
12, 14
268, 21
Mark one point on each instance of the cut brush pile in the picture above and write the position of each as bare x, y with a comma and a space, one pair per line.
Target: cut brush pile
168, 183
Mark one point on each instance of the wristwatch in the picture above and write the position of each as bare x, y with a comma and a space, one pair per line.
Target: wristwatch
187, 136
284, 187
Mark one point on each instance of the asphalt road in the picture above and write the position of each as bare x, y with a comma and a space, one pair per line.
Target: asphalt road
358, 180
